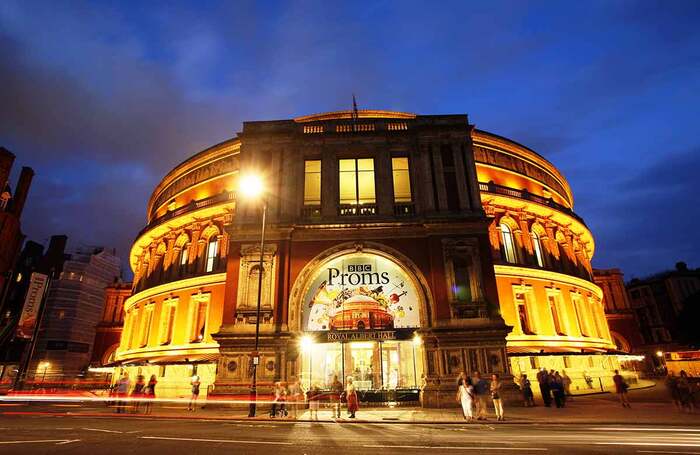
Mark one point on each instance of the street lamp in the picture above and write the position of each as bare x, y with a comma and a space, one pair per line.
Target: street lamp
252, 187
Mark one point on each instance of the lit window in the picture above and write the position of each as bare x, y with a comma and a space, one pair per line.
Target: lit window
580, 314
462, 286
212, 252
199, 320
184, 254
537, 246
508, 243
402, 180
312, 182
133, 328
357, 181
146, 325
523, 313
168, 322
554, 308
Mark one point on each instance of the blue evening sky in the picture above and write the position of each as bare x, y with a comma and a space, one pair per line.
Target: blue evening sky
103, 98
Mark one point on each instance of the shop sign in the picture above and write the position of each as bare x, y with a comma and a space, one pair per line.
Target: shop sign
360, 292
32, 302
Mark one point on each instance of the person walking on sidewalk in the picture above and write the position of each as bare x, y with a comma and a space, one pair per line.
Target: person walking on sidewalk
465, 397
496, 396
481, 389
138, 392
526, 389
621, 389
566, 382
150, 393
557, 386
352, 399
296, 398
314, 402
337, 396
123, 386
543, 380
685, 392
195, 393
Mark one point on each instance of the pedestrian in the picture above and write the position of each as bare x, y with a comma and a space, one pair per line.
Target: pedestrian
496, 396
621, 389
314, 397
566, 381
543, 380
526, 389
557, 387
351, 397
150, 393
672, 386
421, 394
278, 401
296, 397
465, 397
123, 386
337, 396
195, 393
481, 389
138, 392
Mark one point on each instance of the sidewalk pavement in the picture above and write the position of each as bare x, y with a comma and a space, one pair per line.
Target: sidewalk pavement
649, 407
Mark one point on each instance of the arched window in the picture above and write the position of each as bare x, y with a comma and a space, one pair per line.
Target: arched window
184, 255
537, 246
212, 254
508, 243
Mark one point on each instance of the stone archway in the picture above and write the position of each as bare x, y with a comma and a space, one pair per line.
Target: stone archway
311, 270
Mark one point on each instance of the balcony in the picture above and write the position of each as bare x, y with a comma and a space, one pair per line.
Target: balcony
311, 211
193, 205
526, 195
176, 273
357, 209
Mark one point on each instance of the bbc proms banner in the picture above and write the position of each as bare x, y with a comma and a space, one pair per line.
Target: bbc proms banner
32, 302
360, 291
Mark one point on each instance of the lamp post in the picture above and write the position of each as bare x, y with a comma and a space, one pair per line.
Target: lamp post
251, 186
46, 367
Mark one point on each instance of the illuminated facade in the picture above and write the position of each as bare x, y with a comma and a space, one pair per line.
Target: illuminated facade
398, 246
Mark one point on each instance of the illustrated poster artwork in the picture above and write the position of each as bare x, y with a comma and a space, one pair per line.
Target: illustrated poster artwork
361, 291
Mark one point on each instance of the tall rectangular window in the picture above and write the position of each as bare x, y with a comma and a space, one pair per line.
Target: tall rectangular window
402, 179
462, 284
523, 313
184, 255
597, 318
199, 319
212, 254
356, 181
312, 182
580, 314
146, 320
167, 322
554, 308
133, 320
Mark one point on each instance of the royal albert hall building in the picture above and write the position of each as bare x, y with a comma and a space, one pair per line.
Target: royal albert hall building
400, 249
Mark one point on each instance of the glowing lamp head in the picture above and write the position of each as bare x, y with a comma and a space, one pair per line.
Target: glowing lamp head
417, 340
659, 354
44, 364
306, 342
251, 186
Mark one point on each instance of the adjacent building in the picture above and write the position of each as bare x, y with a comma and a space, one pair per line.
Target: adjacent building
400, 249
11, 207
657, 301
109, 329
72, 309
622, 320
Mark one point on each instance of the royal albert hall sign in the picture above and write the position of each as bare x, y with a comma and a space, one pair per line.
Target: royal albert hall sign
361, 296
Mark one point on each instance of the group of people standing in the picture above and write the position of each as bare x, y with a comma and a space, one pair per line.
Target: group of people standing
473, 394
553, 387
294, 398
142, 394
683, 390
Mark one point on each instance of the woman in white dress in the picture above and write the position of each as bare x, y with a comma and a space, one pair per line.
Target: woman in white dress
466, 398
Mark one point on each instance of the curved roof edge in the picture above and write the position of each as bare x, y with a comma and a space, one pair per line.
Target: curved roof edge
364, 113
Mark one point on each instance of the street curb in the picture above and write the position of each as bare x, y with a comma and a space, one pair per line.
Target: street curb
263, 420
